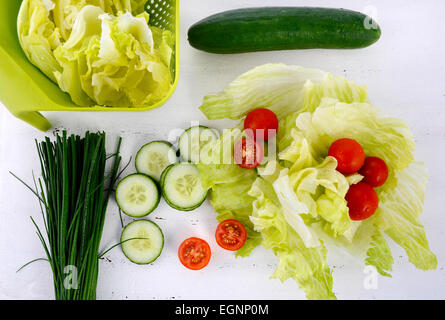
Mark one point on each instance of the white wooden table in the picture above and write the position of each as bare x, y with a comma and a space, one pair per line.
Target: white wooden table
404, 73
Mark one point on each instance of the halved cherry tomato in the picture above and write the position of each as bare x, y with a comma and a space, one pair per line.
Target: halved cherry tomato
374, 171
231, 234
362, 201
248, 154
194, 253
261, 124
349, 154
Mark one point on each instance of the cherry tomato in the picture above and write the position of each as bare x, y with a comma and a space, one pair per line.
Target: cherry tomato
194, 253
261, 123
374, 171
231, 234
349, 154
248, 154
362, 201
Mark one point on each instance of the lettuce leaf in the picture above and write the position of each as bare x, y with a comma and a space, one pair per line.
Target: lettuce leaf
293, 208
380, 136
98, 51
229, 185
39, 36
312, 93
379, 254
65, 11
316, 183
307, 266
137, 6
274, 86
401, 197
332, 87
398, 214
298, 201
117, 67
239, 207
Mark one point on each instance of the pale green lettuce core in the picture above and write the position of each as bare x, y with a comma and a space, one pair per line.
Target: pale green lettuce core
295, 203
101, 52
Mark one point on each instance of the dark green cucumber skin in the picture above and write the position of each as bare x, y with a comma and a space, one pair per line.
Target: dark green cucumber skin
282, 28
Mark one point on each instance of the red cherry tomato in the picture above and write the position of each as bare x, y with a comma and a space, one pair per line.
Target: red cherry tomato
374, 171
194, 253
231, 234
362, 201
248, 154
261, 124
349, 154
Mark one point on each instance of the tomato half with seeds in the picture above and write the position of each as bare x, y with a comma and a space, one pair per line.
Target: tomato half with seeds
248, 153
231, 234
194, 253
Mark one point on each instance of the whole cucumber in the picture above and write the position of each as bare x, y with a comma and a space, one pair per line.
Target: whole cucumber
283, 28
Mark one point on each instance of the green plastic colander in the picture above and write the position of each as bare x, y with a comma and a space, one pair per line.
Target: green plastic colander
25, 91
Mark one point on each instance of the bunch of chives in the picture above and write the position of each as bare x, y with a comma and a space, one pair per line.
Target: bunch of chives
73, 192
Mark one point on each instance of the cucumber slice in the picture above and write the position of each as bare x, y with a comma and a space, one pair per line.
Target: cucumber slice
137, 195
193, 140
181, 186
154, 157
142, 251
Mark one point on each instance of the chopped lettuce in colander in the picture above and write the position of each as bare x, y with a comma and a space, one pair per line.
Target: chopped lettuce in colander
100, 52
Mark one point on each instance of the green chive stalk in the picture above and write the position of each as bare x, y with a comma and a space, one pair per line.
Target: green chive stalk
73, 192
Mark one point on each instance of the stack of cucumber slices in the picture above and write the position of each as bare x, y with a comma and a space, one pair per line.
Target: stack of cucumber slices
161, 172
